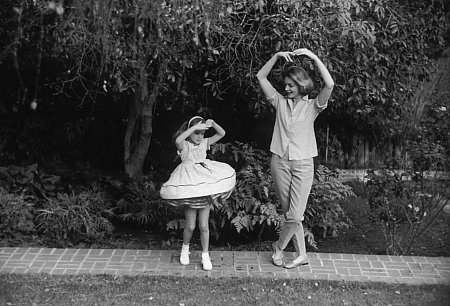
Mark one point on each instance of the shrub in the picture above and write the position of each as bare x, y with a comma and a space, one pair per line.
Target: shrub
140, 203
324, 209
358, 187
404, 205
16, 215
29, 180
83, 215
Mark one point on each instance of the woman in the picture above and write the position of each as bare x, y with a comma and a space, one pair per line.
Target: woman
294, 146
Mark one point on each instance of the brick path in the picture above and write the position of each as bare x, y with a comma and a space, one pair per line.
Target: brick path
328, 266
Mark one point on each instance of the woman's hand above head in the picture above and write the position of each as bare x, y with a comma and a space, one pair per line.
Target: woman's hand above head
287, 55
265, 70
304, 51
325, 92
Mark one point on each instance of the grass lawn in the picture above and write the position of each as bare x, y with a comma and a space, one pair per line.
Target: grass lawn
156, 290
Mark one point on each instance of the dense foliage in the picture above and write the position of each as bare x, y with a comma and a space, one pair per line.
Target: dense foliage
110, 80
378, 52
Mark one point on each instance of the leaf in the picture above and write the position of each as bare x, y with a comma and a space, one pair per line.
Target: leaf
278, 46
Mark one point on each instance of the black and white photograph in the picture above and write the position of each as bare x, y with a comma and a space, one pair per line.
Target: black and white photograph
224, 152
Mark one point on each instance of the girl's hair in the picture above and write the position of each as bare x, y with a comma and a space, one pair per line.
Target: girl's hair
300, 77
187, 124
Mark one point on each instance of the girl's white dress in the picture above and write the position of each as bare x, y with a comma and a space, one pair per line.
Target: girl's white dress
198, 181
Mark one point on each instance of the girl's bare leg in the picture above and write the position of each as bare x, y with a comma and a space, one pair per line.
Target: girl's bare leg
203, 225
190, 216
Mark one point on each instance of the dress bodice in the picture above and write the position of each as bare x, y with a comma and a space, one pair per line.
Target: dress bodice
194, 153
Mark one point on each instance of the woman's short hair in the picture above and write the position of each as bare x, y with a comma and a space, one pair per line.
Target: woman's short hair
300, 77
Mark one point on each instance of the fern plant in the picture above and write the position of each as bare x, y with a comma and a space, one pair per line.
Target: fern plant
141, 204
324, 208
254, 201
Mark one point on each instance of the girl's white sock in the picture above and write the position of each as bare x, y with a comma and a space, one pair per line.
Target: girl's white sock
206, 261
184, 256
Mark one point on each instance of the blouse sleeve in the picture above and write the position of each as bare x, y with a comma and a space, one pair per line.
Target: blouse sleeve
319, 108
274, 97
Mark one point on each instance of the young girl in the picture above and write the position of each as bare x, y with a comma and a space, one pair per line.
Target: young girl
197, 182
294, 146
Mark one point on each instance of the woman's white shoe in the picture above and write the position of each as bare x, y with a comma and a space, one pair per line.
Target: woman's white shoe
299, 261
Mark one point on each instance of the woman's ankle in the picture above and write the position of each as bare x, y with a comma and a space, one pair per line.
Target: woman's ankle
301, 257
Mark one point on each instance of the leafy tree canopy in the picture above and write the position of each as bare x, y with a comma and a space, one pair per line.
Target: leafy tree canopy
145, 57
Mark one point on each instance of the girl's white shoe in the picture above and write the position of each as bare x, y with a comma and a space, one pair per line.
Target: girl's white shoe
206, 262
184, 256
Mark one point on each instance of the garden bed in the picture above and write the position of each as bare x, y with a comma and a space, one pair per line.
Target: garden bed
362, 238
39, 218
365, 238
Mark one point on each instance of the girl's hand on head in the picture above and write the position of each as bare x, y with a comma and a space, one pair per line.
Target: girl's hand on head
286, 55
200, 126
209, 123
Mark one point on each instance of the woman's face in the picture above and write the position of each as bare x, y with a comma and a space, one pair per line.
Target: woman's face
197, 136
291, 88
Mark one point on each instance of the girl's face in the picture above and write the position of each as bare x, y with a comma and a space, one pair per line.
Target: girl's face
197, 137
291, 88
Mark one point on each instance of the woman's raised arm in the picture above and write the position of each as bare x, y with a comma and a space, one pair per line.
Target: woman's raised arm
265, 70
325, 92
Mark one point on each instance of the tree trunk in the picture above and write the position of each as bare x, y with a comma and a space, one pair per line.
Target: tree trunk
140, 124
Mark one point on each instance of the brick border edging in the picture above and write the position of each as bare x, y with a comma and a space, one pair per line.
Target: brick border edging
346, 175
323, 266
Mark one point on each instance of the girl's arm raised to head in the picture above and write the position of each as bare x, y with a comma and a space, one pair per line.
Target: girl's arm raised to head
325, 92
265, 70
220, 132
182, 137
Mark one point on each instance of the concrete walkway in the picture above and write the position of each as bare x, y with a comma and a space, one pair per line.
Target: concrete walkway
323, 266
